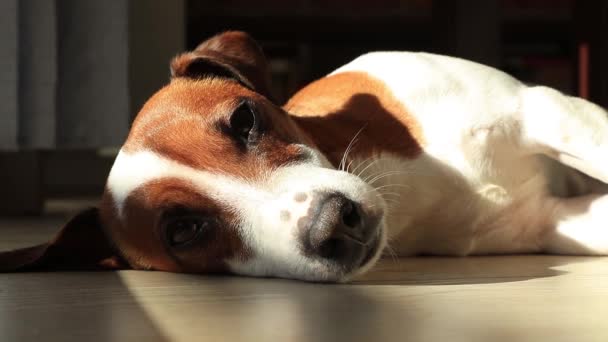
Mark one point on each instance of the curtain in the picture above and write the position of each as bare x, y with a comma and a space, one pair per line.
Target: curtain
64, 80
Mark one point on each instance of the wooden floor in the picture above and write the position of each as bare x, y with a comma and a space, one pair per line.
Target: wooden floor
521, 298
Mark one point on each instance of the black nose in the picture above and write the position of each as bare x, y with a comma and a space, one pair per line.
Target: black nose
337, 229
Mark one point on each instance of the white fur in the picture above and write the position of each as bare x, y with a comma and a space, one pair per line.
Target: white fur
481, 184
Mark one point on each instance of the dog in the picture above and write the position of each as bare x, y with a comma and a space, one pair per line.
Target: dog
395, 152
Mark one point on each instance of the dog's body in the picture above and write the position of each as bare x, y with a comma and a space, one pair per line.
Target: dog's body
435, 155
478, 175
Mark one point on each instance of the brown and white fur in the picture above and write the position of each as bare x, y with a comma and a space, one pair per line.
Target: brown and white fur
424, 153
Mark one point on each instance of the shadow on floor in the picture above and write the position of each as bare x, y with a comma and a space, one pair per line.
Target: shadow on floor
466, 270
72, 306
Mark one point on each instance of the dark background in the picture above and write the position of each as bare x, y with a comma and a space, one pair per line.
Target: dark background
559, 43
537, 41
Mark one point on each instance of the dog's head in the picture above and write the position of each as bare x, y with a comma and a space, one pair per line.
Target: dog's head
214, 177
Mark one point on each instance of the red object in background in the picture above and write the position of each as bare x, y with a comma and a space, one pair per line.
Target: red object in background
583, 70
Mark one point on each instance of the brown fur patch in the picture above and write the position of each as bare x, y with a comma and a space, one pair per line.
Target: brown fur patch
141, 237
181, 122
333, 109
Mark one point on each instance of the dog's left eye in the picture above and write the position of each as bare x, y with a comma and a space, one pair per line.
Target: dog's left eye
244, 123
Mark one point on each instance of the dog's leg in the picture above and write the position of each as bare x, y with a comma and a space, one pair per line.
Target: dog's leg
574, 132
579, 225
568, 129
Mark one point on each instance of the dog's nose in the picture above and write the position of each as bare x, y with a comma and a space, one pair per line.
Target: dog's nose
337, 229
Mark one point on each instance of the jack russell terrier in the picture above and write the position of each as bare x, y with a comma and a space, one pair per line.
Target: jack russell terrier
398, 152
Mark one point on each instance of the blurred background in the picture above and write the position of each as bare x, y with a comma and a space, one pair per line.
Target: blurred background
73, 73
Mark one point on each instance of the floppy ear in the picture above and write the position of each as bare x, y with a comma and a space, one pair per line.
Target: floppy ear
80, 245
232, 54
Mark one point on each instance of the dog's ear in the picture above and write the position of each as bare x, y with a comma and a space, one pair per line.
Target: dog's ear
80, 245
231, 54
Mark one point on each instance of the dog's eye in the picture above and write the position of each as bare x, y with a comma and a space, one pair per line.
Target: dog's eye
244, 123
183, 231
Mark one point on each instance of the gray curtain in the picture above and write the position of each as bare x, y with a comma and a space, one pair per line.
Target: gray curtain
63, 73
8, 73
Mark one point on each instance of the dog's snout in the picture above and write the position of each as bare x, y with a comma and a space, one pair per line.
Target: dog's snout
337, 230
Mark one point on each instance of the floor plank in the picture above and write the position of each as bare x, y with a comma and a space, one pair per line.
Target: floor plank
514, 298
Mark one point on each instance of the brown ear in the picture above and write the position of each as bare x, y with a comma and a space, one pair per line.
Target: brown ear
232, 54
80, 245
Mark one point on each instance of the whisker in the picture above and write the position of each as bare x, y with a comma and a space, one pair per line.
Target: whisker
361, 164
389, 201
391, 185
388, 191
377, 189
384, 193
396, 198
391, 204
391, 252
382, 174
349, 164
368, 166
349, 147
386, 174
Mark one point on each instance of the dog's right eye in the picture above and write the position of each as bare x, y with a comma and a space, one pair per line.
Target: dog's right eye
183, 231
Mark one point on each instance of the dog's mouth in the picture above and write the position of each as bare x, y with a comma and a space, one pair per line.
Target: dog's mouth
372, 249
369, 257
